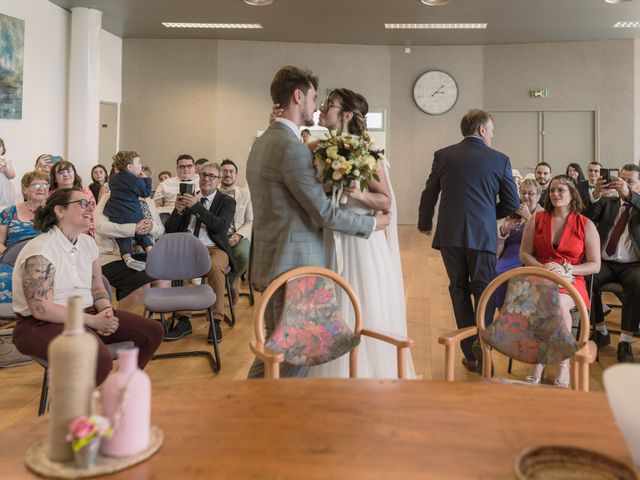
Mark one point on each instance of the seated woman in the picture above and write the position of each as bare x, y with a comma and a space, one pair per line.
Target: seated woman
510, 230
567, 243
574, 172
100, 177
43, 283
64, 175
16, 223
129, 283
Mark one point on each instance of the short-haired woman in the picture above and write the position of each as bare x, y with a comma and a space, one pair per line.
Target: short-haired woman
563, 241
63, 262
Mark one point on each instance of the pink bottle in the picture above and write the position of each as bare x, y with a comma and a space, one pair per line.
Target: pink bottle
127, 402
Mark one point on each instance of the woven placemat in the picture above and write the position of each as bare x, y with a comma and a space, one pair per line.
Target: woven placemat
38, 461
568, 463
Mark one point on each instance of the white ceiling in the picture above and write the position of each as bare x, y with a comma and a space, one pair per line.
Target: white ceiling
362, 21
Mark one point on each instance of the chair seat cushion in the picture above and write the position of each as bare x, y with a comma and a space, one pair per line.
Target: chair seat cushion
530, 327
311, 330
197, 297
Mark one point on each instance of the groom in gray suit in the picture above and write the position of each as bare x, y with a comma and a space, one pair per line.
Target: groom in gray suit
290, 205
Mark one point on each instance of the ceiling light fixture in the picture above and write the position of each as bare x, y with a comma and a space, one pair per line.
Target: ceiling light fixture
435, 3
211, 25
258, 3
626, 25
618, 1
435, 26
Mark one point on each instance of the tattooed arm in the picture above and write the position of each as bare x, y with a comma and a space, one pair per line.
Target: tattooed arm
38, 276
100, 295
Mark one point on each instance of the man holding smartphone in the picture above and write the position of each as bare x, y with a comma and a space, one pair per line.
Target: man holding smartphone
208, 216
618, 222
167, 191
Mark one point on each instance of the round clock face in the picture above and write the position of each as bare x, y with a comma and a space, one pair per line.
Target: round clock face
435, 92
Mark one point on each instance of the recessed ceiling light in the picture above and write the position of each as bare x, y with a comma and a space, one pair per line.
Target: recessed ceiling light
626, 25
618, 1
435, 3
258, 2
211, 25
435, 26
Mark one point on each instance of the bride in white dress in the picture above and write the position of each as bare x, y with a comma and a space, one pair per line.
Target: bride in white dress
371, 266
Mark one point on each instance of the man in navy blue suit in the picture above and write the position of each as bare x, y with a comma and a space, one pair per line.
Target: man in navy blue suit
476, 188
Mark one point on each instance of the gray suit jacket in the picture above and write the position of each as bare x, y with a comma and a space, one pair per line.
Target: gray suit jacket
290, 207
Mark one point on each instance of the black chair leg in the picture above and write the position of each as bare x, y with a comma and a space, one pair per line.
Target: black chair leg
216, 351
510, 365
230, 321
44, 393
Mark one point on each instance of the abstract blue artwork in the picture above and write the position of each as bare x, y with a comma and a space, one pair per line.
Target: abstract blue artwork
11, 63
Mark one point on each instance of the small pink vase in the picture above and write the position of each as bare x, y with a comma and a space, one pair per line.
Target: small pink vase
126, 401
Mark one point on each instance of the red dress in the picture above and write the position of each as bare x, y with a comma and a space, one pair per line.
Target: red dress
571, 247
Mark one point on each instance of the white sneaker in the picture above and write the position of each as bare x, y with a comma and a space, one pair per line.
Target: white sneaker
135, 264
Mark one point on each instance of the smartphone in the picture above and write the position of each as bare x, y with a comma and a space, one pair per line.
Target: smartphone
187, 187
614, 173
54, 159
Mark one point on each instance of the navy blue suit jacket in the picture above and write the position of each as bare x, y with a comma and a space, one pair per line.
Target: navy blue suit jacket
126, 189
476, 188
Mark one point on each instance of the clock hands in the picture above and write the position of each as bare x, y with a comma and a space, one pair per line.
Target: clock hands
438, 90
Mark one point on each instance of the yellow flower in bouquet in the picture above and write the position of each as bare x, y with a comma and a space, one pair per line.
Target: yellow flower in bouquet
343, 159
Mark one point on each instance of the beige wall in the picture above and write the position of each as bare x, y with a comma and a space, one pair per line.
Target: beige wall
211, 97
578, 75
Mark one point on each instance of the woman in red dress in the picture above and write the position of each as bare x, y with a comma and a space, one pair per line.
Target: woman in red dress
567, 243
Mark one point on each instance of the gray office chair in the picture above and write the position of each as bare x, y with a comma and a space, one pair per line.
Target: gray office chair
176, 257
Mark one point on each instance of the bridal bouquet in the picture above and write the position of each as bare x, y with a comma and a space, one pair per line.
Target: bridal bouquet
343, 159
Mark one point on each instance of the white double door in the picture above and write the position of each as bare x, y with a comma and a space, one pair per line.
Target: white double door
555, 137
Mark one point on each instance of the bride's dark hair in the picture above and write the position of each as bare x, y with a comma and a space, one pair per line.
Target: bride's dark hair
355, 103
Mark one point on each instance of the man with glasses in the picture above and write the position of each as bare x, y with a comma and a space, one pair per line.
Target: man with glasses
240, 230
618, 221
208, 216
165, 196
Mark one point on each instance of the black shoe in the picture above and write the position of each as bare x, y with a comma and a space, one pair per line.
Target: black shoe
216, 324
477, 353
182, 328
600, 339
472, 366
625, 355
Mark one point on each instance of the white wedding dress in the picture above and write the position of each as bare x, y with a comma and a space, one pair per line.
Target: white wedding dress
372, 267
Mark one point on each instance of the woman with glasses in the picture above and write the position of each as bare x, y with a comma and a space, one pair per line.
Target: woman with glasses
565, 242
16, 223
63, 262
64, 175
510, 230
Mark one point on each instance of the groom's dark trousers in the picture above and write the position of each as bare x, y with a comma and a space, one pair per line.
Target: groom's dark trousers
475, 187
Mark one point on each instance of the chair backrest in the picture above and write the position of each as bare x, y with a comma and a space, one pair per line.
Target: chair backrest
311, 330
10, 255
530, 321
107, 287
178, 256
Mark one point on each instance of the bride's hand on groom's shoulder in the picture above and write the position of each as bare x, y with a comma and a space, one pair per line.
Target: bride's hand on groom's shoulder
383, 219
276, 111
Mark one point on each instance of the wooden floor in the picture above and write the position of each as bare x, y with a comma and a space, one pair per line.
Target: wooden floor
429, 314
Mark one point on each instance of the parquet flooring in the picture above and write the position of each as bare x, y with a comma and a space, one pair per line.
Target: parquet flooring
429, 314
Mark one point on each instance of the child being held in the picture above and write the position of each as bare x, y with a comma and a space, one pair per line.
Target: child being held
128, 187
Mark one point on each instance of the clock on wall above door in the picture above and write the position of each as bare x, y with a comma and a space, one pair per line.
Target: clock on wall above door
435, 92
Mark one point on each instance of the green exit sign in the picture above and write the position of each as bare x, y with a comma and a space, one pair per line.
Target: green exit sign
539, 93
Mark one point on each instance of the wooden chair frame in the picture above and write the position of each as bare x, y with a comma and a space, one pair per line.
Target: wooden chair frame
585, 355
272, 359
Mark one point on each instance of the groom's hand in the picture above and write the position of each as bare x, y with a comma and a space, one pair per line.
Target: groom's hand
382, 220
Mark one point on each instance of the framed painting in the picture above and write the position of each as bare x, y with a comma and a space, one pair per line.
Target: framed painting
11, 66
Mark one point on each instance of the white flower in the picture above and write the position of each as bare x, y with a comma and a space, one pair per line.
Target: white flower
336, 164
356, 173
332, 152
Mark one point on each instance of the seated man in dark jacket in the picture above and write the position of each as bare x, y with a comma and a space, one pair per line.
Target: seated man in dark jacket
208, 217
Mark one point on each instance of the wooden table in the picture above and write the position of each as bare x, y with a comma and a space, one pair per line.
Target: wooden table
351, 429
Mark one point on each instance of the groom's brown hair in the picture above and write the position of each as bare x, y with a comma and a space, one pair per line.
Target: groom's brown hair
289, 79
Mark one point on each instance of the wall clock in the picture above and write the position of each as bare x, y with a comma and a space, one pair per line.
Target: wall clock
435, 92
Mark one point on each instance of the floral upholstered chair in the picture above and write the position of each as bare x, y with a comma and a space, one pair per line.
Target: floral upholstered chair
311, 330
529, 327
